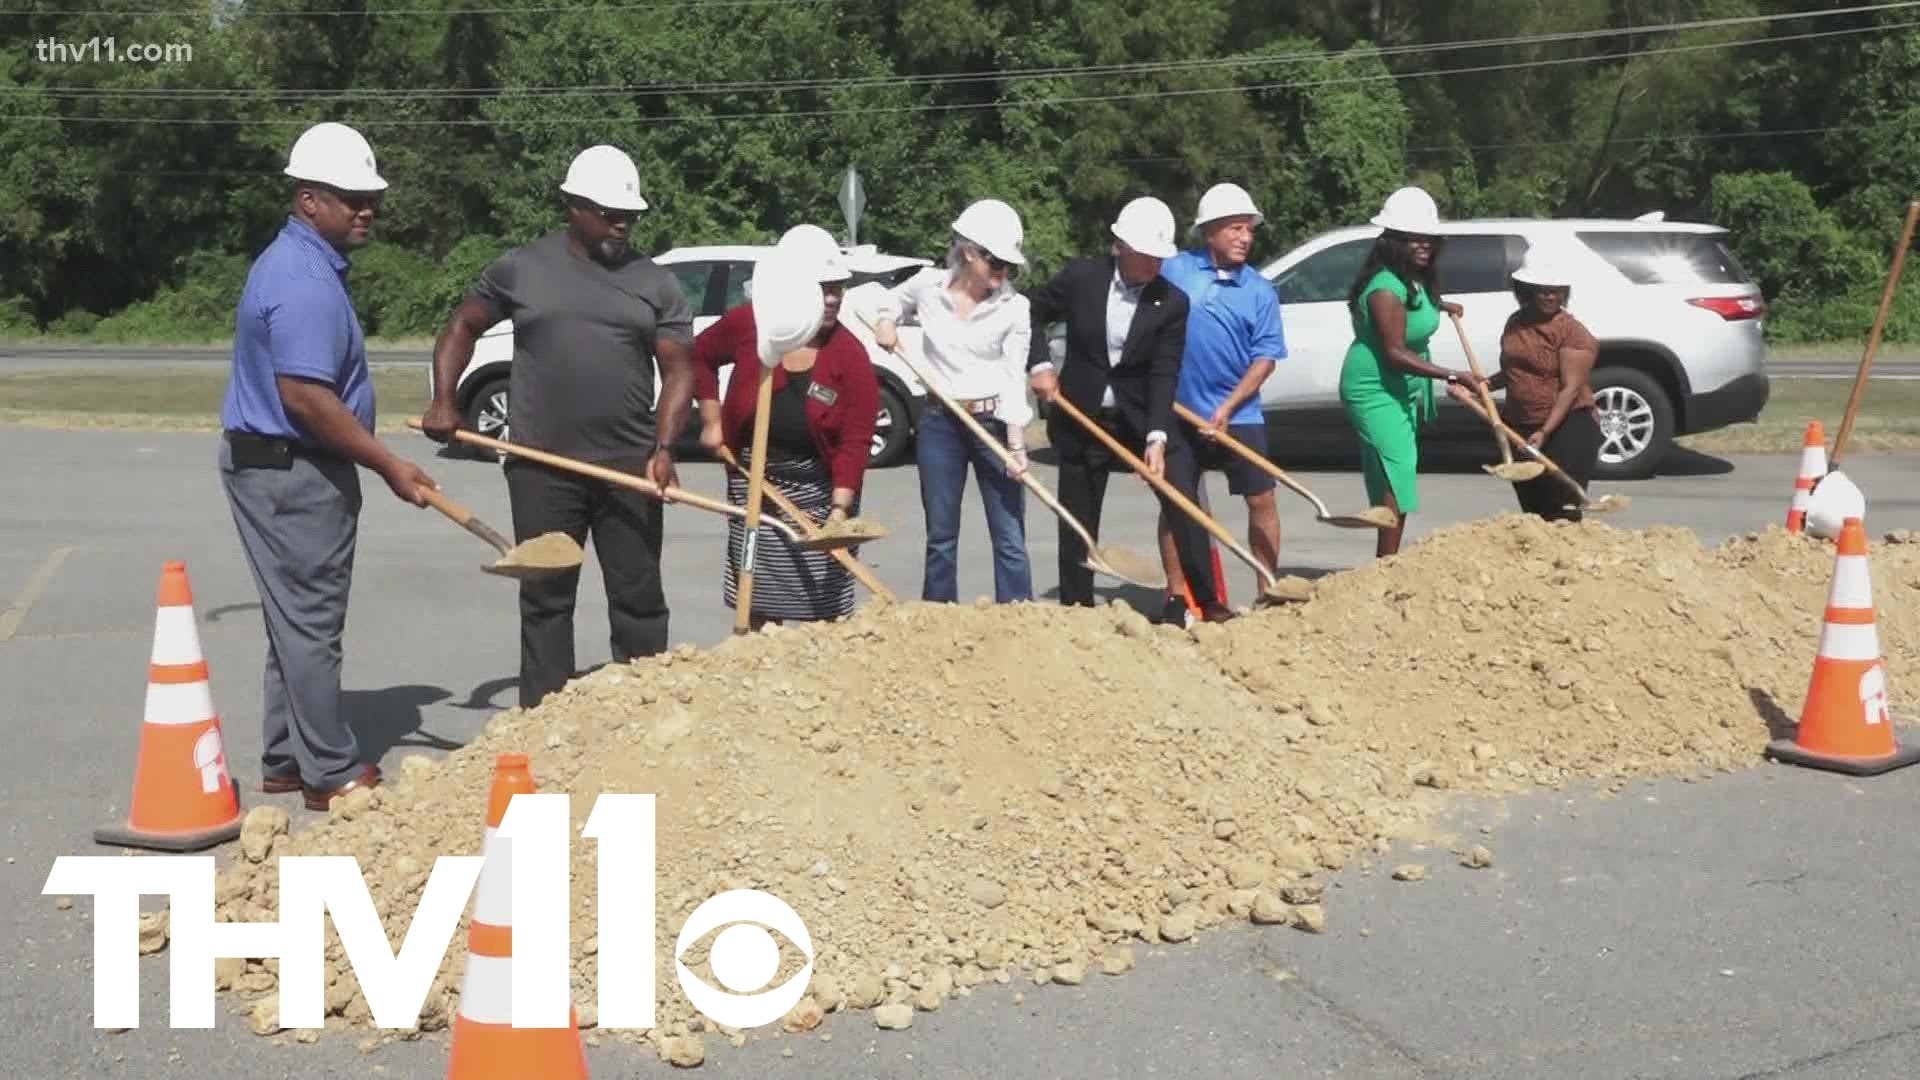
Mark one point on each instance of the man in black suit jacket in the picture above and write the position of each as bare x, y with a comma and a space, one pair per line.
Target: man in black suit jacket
1126, 331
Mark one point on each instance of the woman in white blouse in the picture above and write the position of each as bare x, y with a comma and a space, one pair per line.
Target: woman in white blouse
976, 336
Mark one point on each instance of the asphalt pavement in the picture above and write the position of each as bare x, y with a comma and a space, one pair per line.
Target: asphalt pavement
1892, 362
1759, 924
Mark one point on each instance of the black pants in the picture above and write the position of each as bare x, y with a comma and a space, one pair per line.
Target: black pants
1575, 447
626, 530
1084, 465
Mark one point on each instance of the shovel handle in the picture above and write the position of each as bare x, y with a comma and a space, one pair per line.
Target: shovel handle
611, 476
1259, 460
1486, 395
1161, 485
809, 529
1501, 428
464, 518
1027, 478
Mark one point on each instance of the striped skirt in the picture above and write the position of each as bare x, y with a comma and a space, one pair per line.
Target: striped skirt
789, 583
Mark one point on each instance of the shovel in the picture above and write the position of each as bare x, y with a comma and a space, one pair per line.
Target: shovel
1119, 563
1606, 504
548, 553
853, 565
1508, 469
1373, 517
1272, 590
642, 484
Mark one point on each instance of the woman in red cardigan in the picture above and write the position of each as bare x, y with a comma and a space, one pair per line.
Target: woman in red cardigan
820, 427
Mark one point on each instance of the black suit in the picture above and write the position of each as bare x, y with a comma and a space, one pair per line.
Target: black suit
1143, 384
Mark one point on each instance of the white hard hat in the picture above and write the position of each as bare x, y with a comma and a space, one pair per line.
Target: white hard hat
995, 226
1146, 226
814, 243
1542, 266
605, 175
788, 304
1224, 201
335, 155
1409, 210
1834, 500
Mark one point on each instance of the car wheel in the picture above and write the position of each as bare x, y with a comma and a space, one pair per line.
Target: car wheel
488, 413
892, 430
1636, 423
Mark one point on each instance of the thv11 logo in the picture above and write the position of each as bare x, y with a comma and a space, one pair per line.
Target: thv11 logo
528, 870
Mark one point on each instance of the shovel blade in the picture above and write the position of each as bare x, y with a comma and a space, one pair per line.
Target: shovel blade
548, 553
1607, 504
1291, 589
1515, 472
1127, 566
1373, 517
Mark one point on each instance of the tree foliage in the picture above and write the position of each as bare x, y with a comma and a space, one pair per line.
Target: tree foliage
132, 195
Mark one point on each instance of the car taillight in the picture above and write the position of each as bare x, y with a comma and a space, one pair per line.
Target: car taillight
1731, 308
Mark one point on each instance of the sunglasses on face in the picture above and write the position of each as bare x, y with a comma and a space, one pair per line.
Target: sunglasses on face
611, 217
356, 201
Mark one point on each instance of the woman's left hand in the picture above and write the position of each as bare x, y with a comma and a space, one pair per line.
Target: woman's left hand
1453, 309
1018, 466
1537, 439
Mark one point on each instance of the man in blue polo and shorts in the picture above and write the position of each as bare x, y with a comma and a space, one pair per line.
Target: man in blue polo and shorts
1233, 342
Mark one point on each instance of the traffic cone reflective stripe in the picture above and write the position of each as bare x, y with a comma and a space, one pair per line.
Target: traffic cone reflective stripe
486, 1045
1813, 466
1846, 724
183, 793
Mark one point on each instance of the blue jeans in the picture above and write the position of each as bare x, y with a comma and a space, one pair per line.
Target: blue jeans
944, 447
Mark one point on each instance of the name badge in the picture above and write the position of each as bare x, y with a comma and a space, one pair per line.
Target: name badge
825, 395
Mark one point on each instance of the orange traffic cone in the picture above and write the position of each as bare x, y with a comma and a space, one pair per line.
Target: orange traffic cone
1846, 725
183, 794
486, 1045
1813, 466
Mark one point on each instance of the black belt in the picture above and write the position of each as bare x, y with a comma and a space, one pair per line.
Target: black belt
255, 451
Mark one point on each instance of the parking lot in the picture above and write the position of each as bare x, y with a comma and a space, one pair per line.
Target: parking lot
1744, 927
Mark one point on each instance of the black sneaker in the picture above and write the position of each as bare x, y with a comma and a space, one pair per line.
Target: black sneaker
1175, 612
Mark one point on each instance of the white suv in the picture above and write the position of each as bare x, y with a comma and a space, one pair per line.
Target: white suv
1677, 318
715, 280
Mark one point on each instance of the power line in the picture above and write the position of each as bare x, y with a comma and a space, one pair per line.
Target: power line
973, 106
954, 78
348, 13
1170, 159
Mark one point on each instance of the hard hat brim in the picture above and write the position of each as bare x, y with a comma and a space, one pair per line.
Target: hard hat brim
1408, 225
368, 183
1258, 218
636, 202
1523, 277
1165, 250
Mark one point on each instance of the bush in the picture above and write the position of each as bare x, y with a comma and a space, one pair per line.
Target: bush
199, 309
1795, 250
1845, 318
16, 317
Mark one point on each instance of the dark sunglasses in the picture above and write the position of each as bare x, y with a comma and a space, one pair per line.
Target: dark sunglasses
355, 201
611, 217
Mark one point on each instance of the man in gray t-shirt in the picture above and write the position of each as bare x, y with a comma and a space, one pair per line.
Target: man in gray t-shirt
590, 318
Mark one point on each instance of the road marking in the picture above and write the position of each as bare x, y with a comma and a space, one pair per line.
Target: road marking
10, 619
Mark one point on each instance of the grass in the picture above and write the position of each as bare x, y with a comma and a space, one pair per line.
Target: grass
1889, 418
189, 400
167, 400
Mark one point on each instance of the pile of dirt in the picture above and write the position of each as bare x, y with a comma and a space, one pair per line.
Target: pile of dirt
955, 795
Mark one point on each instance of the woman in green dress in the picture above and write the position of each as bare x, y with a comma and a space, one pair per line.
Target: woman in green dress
1386, 381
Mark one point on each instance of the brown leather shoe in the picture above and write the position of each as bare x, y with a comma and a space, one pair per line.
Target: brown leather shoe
280, 784
368, 777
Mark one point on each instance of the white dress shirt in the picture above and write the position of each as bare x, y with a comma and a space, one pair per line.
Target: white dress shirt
980, 355
1122, 301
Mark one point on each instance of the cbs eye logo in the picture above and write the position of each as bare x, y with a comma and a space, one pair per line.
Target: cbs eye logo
743, 956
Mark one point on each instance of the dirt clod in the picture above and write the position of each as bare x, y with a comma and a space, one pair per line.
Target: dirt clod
1477, 858
940, 819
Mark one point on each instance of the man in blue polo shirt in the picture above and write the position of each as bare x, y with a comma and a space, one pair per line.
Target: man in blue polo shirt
299, 416
1233, 341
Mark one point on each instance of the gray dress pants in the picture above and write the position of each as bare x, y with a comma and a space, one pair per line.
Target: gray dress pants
299, 526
